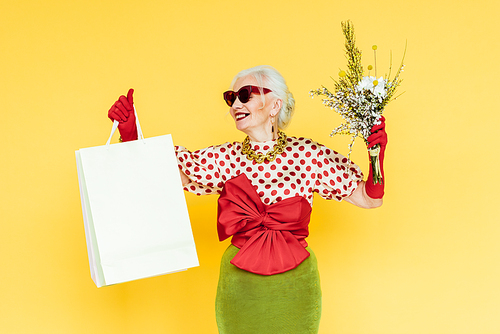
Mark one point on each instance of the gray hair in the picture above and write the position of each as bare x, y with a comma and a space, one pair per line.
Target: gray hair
269, 77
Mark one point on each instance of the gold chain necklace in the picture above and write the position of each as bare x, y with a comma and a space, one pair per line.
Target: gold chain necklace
278, 148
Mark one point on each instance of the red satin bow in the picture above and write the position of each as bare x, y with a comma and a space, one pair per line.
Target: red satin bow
270, 237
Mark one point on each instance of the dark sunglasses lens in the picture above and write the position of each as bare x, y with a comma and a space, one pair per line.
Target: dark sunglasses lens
244, 94
229, 97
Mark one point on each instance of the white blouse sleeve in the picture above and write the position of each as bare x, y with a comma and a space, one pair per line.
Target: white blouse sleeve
206, 168
336, 176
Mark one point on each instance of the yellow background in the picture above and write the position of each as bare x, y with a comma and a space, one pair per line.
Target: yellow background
428, 261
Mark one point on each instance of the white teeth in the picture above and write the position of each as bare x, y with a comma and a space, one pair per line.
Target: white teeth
241, 116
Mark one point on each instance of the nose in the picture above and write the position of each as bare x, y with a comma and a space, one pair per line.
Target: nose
237, 103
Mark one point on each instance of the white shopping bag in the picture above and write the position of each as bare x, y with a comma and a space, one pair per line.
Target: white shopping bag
134, 210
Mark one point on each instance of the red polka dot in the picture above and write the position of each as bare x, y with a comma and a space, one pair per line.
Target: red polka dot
261, 181
273, 167
210, 155
308, 154
339, 179
267, 175
325, 173
266, 200
301, 148
249, 169
280, 174
216, 174
274, 192
278, 161
289, 149
208, 177
243, 164
287, 178
265, 148
222, 149
255, 175
295, 155
268, 186
297, 168
222, 163
287, 192
290, 162
210, 166
281, 185
261, 168
302, 162
313, 147
261, 193
303, 175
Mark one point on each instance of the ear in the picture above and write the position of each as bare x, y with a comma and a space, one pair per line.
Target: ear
276, 106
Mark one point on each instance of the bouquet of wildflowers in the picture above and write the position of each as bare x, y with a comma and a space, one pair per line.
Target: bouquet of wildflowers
360, 100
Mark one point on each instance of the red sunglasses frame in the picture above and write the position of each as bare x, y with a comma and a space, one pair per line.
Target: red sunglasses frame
230, 96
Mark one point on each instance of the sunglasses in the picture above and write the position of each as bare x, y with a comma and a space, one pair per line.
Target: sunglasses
243, 94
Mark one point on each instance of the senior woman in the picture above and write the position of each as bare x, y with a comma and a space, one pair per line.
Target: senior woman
269, 281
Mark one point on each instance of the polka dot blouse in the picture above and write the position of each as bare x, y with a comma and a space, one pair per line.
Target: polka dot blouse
303, 168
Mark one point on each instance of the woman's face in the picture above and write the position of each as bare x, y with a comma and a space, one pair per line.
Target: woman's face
251, 117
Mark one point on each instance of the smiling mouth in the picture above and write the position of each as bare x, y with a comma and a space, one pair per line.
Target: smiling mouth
239, 117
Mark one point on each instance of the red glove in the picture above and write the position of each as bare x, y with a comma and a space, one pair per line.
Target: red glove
123, 112
378, 136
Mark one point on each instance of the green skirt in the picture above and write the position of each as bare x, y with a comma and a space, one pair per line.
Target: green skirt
255, 304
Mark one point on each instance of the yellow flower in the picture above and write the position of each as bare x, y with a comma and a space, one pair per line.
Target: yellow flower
374, 47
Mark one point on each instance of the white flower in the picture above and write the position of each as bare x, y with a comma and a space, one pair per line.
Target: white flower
367, 83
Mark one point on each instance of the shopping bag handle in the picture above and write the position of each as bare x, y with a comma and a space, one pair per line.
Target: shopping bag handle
115, 126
